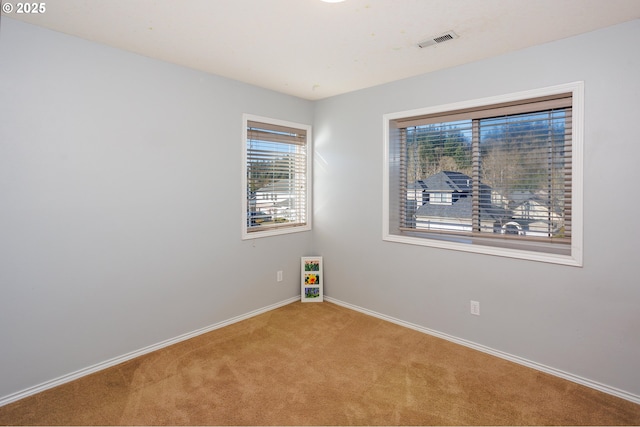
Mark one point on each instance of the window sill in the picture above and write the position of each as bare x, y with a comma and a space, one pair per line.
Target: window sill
246, 235
466, 244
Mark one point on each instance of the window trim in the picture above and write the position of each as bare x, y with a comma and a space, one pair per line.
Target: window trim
476, 245
246, 234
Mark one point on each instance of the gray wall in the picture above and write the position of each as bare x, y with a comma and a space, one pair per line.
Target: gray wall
583, 321
120, 204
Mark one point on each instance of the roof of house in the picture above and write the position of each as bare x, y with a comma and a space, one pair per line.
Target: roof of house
417, 185
460, 209
279, 186
448, 181
521, 196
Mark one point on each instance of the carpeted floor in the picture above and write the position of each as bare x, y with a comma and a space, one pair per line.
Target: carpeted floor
319, 364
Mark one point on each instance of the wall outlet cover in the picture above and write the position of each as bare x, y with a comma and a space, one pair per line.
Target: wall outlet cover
475, 308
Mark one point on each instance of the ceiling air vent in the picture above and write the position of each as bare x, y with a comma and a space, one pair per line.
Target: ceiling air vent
449, 35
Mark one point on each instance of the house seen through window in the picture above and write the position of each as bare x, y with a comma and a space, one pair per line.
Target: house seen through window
276, 173
494, 177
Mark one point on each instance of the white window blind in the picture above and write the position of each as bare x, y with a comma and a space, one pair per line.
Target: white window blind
276, 166
496, 175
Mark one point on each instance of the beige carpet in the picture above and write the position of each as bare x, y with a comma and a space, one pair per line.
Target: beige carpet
319, 364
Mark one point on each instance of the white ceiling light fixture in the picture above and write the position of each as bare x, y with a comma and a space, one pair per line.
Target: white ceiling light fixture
333, 1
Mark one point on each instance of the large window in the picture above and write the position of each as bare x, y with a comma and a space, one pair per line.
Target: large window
500, 176
276, 177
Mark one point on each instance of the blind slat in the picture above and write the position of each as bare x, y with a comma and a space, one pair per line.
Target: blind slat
509, 108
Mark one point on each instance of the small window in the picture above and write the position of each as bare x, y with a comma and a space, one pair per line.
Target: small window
276, 177
501, 176
440, 198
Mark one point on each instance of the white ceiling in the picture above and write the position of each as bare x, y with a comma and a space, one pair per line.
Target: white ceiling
313, 49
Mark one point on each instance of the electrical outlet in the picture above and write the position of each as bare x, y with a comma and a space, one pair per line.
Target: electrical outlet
279, 276
475, 308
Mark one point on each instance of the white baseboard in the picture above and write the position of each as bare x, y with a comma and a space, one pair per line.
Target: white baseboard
120, 359
117, 360
516, 359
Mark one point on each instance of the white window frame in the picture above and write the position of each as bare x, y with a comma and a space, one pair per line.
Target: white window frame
440, 198
246, 234
390, 217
